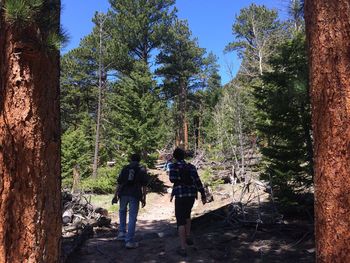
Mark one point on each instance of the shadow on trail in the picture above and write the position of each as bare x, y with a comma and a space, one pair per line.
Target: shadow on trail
104, 247
156, 185
216, 240
227, 240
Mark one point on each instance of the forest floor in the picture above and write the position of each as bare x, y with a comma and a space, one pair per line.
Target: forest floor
215, 239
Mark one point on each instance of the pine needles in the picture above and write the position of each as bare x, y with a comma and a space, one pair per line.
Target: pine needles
24, 13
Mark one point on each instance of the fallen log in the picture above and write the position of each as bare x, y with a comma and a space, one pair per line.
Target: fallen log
79, 220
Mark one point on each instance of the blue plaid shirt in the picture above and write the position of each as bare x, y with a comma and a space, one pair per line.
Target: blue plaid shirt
185, 190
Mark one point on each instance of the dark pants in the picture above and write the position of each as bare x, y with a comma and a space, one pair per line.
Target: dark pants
183, 207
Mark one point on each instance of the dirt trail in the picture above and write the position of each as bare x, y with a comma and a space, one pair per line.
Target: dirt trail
155, 230
215, 240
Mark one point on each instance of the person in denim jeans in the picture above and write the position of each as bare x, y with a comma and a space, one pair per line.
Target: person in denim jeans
131, 189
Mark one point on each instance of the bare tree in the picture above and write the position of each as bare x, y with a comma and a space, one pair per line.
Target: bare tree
327, 25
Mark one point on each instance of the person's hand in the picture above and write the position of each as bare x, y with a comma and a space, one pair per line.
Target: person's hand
115, 199
204, 200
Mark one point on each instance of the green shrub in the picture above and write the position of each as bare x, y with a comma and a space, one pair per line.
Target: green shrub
151, 159
101, 185
105, 182
75, 151
67, 183
208, 178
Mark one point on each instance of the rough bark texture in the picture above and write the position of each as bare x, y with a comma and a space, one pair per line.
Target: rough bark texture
30, 204
328, 31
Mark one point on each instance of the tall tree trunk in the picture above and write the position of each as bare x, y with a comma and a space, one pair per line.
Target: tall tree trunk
328, 32
177, 138
101, 84
197, 131
97, 134
183, 131
185, 125
30, 199
199, 134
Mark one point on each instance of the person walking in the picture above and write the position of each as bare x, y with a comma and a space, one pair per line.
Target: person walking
169, 160
187, 184
131, 189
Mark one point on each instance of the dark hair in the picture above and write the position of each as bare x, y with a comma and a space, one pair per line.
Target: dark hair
179, 154
135, 157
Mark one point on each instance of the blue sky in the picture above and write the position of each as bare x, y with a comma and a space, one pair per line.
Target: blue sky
210, 21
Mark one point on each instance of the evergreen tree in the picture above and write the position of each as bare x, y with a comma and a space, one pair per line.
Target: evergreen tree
78, 87
131, 31
75, 152
83, 83
256, 31
296, 15
203, 102
141, 27
181, 60
329, 45
284, 117
135, 110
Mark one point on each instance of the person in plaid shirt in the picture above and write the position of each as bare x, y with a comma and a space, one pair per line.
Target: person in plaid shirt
187, 183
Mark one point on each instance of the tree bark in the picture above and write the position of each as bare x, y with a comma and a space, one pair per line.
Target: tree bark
30, 196
182, 109
328, 32
185, 125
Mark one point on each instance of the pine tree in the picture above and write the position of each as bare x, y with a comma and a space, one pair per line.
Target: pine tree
141, 27
284, 117
83, 82
296, 14
329, 45
76, 153
78, 87
203, 102
181, 61
256, 31
135, 109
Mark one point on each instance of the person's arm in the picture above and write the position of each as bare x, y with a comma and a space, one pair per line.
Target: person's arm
146, 180
198, 184
143, 198
116, 197
117, 189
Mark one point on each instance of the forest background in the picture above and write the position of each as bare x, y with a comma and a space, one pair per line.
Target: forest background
141, 82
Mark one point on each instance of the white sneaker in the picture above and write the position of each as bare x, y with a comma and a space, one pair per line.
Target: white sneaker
121, 236
131, 245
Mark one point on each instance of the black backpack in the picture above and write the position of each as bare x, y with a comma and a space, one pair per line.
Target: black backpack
185, 175
130, 175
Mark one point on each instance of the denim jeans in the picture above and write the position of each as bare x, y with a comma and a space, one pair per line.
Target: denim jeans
133, 210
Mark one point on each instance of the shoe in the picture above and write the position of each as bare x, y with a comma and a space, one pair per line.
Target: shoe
182, 252
121, 236
131, 245
189, 241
